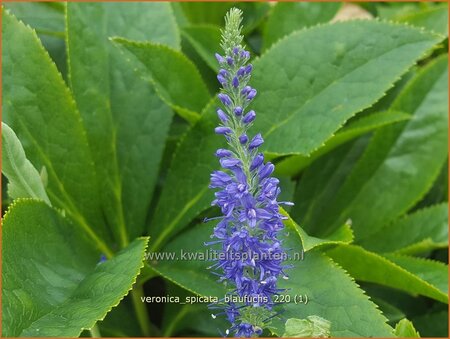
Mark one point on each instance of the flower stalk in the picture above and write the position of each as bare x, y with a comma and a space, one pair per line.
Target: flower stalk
251, 255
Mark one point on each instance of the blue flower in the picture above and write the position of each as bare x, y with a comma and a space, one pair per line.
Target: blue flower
251, 254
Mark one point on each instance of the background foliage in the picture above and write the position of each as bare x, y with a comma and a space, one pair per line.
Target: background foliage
108, 138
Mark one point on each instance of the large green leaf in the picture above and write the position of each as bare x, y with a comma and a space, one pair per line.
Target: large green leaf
53, 283
349, 310
24, 180
123, 115
294, 164
174, 76
40, 109
329, 75
296, 88
287, 17
402, 160
423, 230
426, 278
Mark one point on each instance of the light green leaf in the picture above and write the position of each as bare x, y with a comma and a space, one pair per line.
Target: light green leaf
206, 41
311, 327
433, 272
433, 18
174, 76
38, 106
423, 230
347, 308
371, 267
405, 329
123, 116
57, 287
294, 164
24, 180
330, 75
287, 17
407, 157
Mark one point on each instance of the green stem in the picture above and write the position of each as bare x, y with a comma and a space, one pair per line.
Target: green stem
95, 332
141, 310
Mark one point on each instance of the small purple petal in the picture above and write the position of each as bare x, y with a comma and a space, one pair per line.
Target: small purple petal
222, 130
243, 139
236, 50
248, 69
225, 99
246, 90
256, 141
223, 72
221, 79
219, 58
265, 171
257, 161
251, 94
222, 115
230, 61
249, 117
221, 153
238, 110
229, 162
235, 82
241, 71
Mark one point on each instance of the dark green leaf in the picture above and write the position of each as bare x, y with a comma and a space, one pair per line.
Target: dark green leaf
370, 267
421, 231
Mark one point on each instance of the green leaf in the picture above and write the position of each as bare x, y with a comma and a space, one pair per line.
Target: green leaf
174, 76
406, 156
57, 287
123, 116
347, 308
326, 85
294, 164
433, 272
343, 235
371, 267
405, 329
287, 17
47, 18
433, 18
311, 327
421, 231
24, 180
206, 41
38, 106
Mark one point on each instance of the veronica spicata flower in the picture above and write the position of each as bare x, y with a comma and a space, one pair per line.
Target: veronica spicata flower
250, 259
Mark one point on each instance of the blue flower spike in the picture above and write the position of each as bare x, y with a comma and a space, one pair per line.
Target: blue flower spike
250, 259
